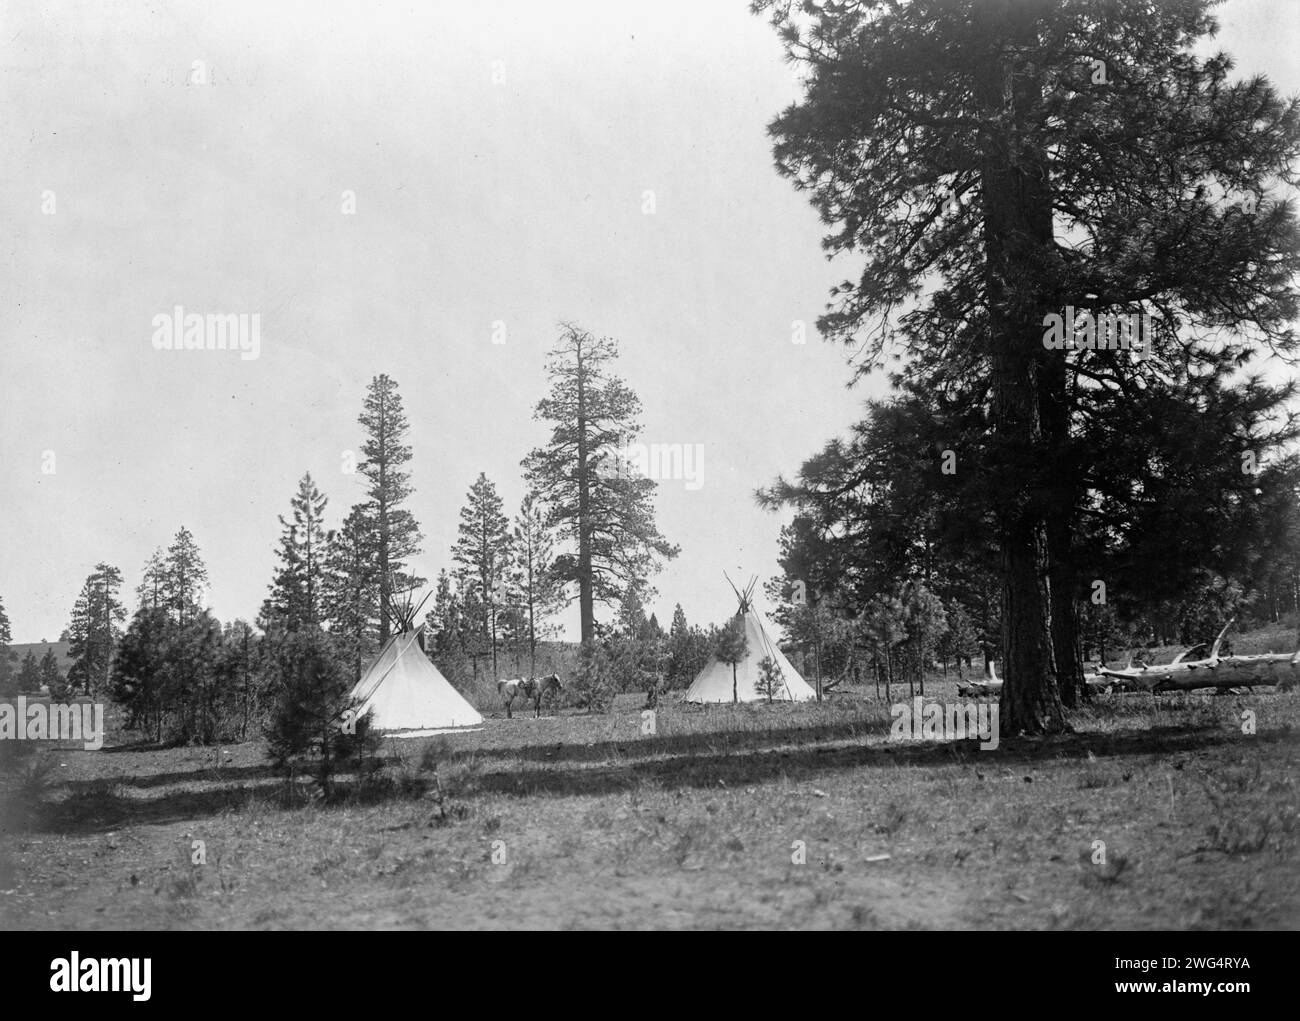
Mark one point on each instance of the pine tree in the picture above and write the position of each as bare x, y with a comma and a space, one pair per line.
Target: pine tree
184, 578
631, 613
149, 593
483, 551
443, 619
592, 687
196, 690
396, 534
541, 589
924, 621
95, 630
771, 679
310, 696
7, 665
971, 180
959, 641
298, 589
352, 589
688, 650
29, 676
52, 677
473, 639
880, 627
242, 650
639, 658
606, 511
732, 647
139, 670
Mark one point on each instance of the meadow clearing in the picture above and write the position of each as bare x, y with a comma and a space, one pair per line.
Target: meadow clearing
577, 821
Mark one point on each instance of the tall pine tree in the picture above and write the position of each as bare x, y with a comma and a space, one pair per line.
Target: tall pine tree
396, 533
603, 509
1009, 162
95, 628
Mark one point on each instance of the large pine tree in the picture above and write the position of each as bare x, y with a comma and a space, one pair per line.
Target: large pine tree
95, 628
999, 163
605, 511
396, 534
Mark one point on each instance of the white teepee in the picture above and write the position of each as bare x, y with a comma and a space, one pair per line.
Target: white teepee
714, 682
405, 692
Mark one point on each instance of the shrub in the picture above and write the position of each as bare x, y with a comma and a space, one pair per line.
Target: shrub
592, 687
309, 697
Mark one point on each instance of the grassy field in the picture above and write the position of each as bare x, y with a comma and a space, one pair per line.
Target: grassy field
577, 821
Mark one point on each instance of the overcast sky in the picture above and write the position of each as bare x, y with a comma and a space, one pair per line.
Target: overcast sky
500, 156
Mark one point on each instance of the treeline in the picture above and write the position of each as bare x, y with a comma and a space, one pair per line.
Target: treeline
634, 653
585, 530
29, 675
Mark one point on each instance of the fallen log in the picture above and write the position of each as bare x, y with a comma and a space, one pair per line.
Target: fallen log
1281, 669
1278, 669
991, 685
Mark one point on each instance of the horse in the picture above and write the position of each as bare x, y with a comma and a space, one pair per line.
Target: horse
534, 689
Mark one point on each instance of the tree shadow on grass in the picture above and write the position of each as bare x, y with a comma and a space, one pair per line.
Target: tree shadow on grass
658, 745
807, 763
664, 763
200, 774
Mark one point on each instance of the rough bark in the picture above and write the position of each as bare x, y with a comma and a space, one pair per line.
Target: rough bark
1017, 235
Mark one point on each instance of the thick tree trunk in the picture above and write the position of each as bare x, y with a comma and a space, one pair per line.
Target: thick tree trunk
1030, 703
1060, 491
1065, 620
1017, 228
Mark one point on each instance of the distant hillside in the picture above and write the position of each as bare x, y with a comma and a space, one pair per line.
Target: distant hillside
37, 649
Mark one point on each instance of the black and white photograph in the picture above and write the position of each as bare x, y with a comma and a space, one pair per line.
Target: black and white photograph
781, 465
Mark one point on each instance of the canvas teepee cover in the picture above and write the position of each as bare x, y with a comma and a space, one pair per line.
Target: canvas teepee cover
713, 683
408, 693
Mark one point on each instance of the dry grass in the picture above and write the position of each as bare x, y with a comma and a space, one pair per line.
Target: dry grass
580, 821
